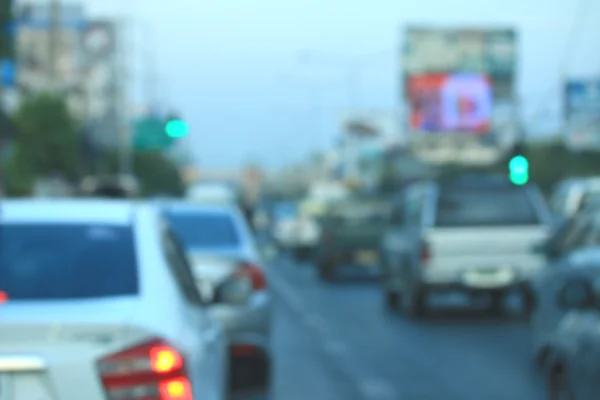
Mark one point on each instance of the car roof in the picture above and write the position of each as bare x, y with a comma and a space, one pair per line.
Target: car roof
208, 207
107, 211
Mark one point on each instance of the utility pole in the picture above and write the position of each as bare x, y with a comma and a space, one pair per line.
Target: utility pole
55, 43
125, 136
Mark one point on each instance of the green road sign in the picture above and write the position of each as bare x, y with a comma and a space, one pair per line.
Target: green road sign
149, 134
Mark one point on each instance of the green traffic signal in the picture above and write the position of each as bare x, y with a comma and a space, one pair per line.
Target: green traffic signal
518, 169
177, 128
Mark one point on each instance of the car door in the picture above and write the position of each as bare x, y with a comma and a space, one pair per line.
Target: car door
211, 358
404, 234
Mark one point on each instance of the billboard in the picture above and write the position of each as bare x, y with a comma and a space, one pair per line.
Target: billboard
453, 79
450, 102
582, 114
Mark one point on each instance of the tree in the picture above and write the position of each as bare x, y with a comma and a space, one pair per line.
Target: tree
157, 175
47, 139
155, 172
18, 175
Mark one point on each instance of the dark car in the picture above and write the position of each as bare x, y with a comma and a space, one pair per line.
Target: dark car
109, 186
351, 233
572, 365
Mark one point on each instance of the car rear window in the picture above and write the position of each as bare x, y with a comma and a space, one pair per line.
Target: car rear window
490, 207
358, 211
59, 262
198, 230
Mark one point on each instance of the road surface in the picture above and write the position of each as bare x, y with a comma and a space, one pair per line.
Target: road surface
388, 357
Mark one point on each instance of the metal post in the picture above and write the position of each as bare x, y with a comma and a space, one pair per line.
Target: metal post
125, 145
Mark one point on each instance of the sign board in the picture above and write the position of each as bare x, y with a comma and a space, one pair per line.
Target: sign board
149, 134
452, 79
582, 114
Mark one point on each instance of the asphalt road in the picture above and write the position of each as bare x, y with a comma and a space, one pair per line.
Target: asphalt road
301, 370
382, 356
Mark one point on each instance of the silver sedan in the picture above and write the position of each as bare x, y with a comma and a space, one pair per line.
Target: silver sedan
228, 270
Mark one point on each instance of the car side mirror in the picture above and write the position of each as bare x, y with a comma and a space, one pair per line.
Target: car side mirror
576, 294
234, 291
541, 247
206, 291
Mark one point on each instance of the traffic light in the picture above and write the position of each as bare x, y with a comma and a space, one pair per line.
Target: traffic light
518, 167
176, 128
6, 30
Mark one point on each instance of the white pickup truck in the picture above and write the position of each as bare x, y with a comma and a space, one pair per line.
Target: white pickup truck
473, 236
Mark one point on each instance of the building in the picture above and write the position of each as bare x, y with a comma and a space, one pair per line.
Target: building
84, 67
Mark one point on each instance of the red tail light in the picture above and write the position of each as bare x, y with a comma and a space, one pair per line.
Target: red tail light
254, 274
3, 297
151, 371
425, 254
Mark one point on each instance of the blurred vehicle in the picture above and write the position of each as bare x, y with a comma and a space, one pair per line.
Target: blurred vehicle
479, 235
571, 233
352, 231
572, 195
111, 186
572, 305
228, 269
213, 192
579, 256
295, 232
98, 302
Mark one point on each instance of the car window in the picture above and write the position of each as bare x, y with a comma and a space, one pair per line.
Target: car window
577, 235
377, 212
56, 262
485, 207
201, 230
413, 207
592, 236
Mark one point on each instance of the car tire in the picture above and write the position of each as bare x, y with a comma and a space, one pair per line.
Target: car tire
391, 300
414, 303
326, 270
558, 387
497, 306
529, 301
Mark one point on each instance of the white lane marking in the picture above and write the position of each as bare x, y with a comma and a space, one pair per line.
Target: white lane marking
378, 389
316, 323
286, 292
336, 347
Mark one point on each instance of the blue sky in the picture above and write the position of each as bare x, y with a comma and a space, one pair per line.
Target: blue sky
231, 66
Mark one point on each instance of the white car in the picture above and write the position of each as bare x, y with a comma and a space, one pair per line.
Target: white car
228, 267
98, 302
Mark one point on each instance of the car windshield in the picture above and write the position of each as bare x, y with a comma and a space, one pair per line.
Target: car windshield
285, 210
57, 262
359, 211
198, 230
492, 207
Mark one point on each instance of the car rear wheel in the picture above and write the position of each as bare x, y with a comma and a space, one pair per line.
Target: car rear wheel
414, 303
497, 303
392, 300
558, 387
326, 270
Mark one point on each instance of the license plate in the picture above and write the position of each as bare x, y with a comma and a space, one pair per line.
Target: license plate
367, 258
